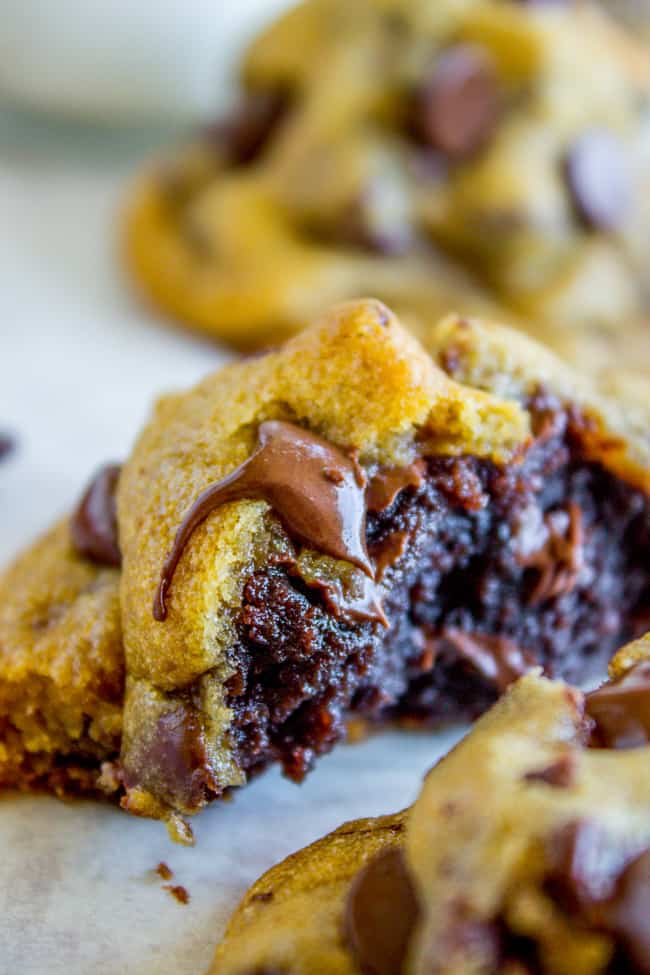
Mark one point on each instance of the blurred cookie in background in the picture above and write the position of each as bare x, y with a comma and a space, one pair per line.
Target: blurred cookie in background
483, 156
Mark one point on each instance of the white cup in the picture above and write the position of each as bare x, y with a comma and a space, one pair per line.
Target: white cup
123, 61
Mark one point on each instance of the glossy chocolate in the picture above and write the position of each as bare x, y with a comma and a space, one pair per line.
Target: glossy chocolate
93, 525
316, 490
380, 914
620, 710
386, 484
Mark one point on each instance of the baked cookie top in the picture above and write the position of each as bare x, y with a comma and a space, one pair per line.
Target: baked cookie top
526, 847
243, 504
485, 157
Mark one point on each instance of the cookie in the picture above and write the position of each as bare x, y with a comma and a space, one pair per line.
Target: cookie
339, 526
61, 668
528, 849
486, 157
348, 526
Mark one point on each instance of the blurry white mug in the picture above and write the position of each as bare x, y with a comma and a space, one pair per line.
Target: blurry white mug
126, 60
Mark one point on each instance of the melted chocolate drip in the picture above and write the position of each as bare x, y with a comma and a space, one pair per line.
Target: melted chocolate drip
381, 913
387, 484
620, 710
93, 526
316, 490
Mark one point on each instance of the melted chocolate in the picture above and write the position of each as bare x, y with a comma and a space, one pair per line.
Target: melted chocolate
93, 526
620, 710
316, 490
559, 559
381, 913
386, 484
177, 756
496, 658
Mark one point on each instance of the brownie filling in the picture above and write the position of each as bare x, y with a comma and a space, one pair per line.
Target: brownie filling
489, 570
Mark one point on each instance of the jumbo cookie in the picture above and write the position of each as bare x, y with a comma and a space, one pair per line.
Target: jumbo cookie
475, 156
527, 850
346, 526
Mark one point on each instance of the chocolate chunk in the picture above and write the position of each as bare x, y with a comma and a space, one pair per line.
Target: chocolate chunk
7, 444
292, 470
177, 756
497, 659
458, 105
386, 484
380, 914
626, 914
559, 774
243, 136
620, 710
599, 180
584, 864
93, 526
560, 557
598, 883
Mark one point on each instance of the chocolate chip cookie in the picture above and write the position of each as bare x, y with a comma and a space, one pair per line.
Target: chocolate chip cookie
483, 157
528, 850
350, 525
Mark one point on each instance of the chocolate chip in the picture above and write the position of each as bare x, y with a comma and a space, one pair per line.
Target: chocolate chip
244, 134
93, 526
584, 863
627, 913
177, 756
7, 444
458, 105
559, 774
599, 180
380, 914
376, 221
620, 710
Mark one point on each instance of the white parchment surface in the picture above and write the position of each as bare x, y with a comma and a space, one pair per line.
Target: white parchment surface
80, 362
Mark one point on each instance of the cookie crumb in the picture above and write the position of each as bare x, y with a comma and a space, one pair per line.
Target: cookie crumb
164, 871
179, 892
179, 830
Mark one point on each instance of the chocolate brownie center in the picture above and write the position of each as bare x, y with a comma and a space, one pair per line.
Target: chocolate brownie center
488, 570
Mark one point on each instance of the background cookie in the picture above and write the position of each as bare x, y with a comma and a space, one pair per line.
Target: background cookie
488, 155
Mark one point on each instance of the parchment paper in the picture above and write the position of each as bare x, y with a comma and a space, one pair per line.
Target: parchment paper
80, 362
